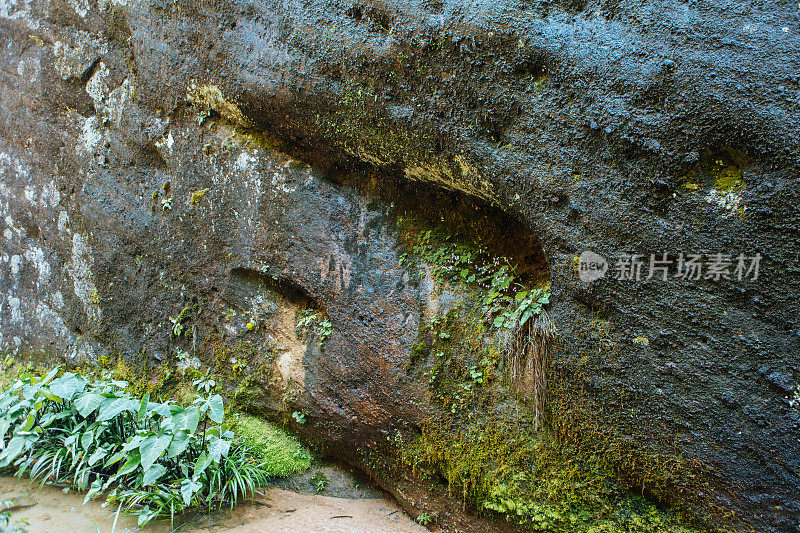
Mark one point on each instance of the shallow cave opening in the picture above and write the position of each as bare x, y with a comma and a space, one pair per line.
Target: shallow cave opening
469, 219
465, 218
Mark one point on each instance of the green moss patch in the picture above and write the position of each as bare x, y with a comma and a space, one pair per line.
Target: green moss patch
721, 172
572, 474
566, 471
282, 455
362, 128
539, 482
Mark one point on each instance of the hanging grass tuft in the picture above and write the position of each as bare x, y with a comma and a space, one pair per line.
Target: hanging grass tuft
526, 353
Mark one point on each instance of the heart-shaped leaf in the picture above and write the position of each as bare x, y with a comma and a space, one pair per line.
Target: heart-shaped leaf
153, 474
131, 465
88, 403
216, 408
152, 448
187, 419
179, 443
115, 407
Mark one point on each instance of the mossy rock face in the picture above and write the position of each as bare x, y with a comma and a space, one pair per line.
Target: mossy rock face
201, 179
571, 473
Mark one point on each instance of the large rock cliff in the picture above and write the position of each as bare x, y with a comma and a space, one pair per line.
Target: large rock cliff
245, 182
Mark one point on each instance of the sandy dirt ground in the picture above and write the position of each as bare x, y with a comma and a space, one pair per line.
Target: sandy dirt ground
48, 509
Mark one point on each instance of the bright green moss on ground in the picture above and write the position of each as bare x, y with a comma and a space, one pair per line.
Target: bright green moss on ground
281, 453
533, 481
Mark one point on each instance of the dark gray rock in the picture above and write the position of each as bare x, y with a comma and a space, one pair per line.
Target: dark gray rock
598, 125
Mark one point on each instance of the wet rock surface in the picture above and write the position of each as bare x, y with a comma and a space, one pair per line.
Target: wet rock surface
137, 181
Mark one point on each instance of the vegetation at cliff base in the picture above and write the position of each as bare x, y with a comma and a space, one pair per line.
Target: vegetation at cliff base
151, 459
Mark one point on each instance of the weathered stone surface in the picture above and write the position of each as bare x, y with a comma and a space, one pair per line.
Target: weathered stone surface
599, 125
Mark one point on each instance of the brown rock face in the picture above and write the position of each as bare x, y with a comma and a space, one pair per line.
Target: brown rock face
144, 185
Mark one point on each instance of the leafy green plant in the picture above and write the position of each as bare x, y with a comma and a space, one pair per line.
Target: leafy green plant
177, 326
528, 303
306, 318
475, 374
300, 417
166, 204
198, 195
325, 328
206, 383
202, 116
314, 322
177, 322
425, 518
319, 481
508, 300
151, 458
